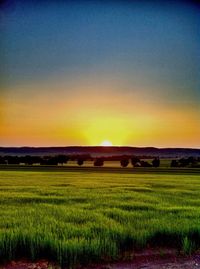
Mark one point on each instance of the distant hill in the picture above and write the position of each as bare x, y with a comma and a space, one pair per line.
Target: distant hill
101, 151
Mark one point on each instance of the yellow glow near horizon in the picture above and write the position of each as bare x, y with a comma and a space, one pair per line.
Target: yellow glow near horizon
113, 127
90, 118
106, 143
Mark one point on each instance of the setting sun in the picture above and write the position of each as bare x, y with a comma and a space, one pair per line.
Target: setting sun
106, 143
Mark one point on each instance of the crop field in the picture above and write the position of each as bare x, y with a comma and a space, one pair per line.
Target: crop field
78, 217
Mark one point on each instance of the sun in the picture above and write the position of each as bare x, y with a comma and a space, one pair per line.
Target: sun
106, 143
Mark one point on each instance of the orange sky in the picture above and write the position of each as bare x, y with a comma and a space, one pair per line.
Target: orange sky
95, 116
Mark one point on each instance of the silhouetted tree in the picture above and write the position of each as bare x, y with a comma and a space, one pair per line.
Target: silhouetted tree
99, 162
156, 162
12, 159
37, 159
124, 162
2, 160
28, 160
80, 162
135, 160
62, 159
52, 161
192, 160
174, 163
183, 162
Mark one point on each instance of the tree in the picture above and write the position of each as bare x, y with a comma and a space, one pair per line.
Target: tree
124, 162
192, 160
156, 162
183, 162
2, 160
51, 161
174, 163
135, 160
80, 162
99, 162
62, 159
28, 160
12, 159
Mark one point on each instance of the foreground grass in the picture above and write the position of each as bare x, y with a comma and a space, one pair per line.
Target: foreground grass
78, 217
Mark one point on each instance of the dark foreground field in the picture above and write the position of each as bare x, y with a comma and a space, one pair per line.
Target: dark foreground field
148, 259
80, 216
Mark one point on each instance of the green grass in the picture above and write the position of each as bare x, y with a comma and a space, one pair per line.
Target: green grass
80, 217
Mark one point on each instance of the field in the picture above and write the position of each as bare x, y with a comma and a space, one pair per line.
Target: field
79, 216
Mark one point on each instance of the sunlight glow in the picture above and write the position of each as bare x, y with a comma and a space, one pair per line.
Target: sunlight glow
106, 143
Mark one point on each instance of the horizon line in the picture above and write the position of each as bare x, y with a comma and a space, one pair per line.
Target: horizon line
99, 146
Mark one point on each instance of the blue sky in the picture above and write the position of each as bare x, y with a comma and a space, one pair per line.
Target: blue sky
158, 41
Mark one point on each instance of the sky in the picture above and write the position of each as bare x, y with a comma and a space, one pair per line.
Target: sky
82, 72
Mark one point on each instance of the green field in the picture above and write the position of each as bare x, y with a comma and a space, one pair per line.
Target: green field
83, 216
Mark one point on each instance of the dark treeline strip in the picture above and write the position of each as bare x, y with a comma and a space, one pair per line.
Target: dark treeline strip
124, 160
80, 159
186, 162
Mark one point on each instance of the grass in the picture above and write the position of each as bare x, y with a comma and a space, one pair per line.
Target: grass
79, 217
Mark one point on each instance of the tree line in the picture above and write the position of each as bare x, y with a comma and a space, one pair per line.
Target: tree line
124, 160
79, 159
186, 162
